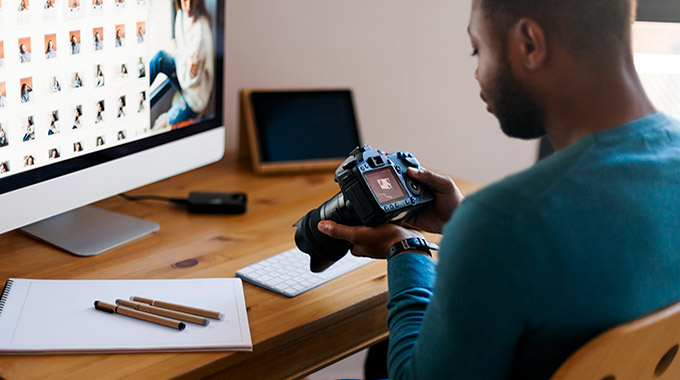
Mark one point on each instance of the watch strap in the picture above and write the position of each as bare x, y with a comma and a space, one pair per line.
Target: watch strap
412, 244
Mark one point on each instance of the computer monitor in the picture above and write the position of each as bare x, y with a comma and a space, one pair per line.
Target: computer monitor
81, 118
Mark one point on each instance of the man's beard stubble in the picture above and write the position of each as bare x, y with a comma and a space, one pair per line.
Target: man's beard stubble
519, 114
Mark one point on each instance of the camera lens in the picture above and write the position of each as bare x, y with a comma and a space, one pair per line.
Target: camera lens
322, 249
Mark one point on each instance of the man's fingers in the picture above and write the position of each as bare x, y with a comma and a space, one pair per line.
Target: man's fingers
438, 183
336, 230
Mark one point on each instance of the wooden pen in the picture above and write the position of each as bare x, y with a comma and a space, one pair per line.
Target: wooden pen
109, 308
182, 308
164, 312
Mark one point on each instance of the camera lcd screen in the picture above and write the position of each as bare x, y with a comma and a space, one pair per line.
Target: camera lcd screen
385, 185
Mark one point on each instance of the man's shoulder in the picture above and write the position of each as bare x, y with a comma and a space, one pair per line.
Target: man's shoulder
518, 191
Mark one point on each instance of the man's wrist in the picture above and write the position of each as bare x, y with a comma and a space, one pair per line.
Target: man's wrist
414, 244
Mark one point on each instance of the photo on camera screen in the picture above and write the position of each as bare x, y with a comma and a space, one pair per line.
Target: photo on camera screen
385, 185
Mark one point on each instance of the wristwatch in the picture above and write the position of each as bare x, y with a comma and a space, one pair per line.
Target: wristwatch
410, 245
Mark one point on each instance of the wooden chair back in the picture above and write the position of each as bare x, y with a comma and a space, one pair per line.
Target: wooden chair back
642, 349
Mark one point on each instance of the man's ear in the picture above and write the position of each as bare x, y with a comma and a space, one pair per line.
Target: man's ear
528, 44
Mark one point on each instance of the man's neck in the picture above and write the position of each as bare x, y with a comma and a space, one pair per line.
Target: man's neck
588, 101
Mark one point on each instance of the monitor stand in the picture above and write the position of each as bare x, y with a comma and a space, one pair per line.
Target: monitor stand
89, 230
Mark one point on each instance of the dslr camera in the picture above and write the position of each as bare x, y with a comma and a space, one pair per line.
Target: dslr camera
374, 190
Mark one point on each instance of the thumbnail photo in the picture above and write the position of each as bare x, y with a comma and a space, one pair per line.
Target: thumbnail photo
29, 129
121, 107
74, 38
99, 75
77, 81
25, 50
77, 114
29, 160
54, 153
98, 38
54, 123
3, 94
141, 32
4, 141
26, 92
120, 36
51, 46
100, 112
55, 85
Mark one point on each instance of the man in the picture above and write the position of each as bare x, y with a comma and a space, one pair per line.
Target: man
534, 266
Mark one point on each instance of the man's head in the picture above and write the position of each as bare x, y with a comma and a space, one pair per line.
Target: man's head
516, 43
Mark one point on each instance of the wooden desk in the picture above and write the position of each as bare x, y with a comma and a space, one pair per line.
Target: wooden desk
292, 337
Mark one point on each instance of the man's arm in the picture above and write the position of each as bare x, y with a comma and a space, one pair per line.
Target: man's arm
467, 325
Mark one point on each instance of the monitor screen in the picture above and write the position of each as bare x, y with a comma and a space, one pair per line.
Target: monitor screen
84, 83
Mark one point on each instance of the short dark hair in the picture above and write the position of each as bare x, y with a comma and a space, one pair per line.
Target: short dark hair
582, 25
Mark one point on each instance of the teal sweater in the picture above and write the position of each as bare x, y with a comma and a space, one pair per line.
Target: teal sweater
535, 265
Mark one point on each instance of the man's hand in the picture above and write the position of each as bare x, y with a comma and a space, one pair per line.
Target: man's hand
368, 241
446, 198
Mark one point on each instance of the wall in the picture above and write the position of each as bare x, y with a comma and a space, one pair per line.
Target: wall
408, 63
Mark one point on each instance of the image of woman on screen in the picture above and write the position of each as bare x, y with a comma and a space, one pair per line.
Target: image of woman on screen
26, 91
99, 77
100, 112
190, 70
78, 115
77, 147
4, 167
56, 87
98, 43
75, 45
50, 52
121, 107
29, 160
77, 82
24, 54
3, 138
54, 153
120, 40
30, 130
142, 99
54, 124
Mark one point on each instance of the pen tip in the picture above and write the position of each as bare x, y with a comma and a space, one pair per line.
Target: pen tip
182, 326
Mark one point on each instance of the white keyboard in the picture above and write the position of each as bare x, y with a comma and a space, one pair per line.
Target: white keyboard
288, 273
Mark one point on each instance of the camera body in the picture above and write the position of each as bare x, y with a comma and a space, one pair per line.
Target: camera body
374, 190
377, 188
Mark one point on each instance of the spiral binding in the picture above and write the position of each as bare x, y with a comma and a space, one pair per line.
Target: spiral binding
5, 294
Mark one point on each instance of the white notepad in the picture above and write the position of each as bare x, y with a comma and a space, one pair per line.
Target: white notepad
44, 316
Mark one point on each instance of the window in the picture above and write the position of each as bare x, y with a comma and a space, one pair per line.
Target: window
656, 43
